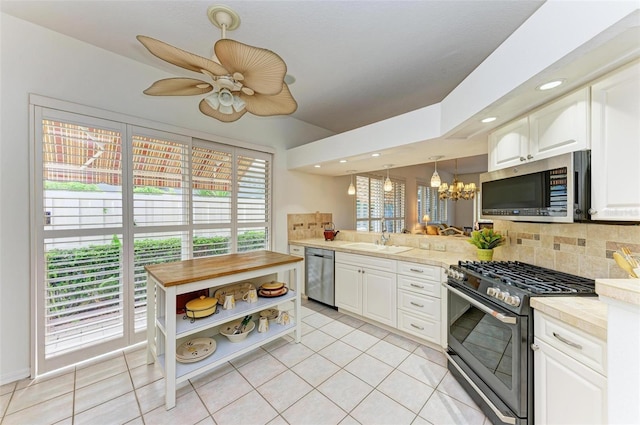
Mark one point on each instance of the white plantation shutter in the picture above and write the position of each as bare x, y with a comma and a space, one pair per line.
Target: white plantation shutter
79, 207
159, 171
373, 204
110, 198
83, 298
253, 200
429, 203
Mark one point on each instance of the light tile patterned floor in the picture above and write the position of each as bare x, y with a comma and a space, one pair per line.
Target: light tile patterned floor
345, 371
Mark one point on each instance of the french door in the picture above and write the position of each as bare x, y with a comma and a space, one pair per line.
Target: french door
109, 198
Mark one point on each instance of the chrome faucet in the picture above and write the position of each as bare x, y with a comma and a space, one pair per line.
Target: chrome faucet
384, 239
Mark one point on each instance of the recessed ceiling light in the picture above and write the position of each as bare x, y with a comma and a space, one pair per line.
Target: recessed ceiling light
317, 166
488, 119
375, 155
342, 161
550, 85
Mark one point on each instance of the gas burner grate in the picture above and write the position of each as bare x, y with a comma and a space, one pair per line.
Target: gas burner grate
535, 279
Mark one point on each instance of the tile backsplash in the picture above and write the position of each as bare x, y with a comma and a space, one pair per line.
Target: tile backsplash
583, 249
308, 225
577, 248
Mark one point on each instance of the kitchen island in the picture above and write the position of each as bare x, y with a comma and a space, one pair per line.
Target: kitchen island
166, 329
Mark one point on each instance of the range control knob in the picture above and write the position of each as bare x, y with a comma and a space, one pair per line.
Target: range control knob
513, 300
502, 295
492, 291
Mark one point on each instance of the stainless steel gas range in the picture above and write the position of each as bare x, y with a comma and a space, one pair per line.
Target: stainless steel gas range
490, 331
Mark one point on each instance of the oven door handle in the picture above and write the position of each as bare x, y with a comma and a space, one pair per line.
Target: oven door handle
509, 320
504, 418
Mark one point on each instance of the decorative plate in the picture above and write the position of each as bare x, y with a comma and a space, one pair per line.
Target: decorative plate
195, 350
270, 313
273, 294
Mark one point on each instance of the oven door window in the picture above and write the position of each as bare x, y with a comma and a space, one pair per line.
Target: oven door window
487, 340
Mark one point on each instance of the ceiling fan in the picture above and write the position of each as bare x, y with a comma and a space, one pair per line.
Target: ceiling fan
244, 78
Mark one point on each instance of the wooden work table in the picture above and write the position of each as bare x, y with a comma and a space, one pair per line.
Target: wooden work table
166, 329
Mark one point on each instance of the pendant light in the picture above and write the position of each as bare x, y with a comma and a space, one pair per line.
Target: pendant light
352, 189
388, 186
457, 189
435, 178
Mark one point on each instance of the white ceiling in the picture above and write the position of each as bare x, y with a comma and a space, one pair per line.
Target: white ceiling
355, 62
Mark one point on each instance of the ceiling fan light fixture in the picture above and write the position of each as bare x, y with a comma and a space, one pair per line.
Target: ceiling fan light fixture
225, 97
213, 101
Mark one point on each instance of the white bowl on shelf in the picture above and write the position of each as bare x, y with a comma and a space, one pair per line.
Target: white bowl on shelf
229, 329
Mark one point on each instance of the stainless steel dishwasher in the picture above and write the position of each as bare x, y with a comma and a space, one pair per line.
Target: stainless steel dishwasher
320, 275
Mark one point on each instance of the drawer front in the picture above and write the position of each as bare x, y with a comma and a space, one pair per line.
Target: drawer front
376, 263
420, 304
581, 346
296, 250
421, 286
420, 271
420, 327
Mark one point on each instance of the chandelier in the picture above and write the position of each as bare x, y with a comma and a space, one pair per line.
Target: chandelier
457, 189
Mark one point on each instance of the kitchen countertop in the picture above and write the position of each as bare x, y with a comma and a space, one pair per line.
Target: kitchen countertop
585, 313
626, 290
187, 271
415, 255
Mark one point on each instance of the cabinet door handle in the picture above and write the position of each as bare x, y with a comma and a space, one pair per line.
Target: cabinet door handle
417, 270
416, 304
417, 286
529, 156
417, 327
522, 159
566, 341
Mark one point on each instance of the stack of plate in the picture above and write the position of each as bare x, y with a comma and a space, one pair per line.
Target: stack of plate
195, 350
272, 289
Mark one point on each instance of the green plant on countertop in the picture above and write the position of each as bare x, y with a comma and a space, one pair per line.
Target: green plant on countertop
486, 239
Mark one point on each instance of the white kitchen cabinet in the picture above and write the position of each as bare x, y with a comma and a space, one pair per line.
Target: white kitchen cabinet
559, 127
419, 302
508, 144
366, 286
348, 287
615, 146
570, 385
298, 251
379, 296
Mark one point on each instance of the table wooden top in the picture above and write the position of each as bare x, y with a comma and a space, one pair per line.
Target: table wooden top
187, 271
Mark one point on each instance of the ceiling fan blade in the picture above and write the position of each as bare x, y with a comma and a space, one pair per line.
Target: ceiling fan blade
180, 57
208, 110
178, 87
263, 70
282, 103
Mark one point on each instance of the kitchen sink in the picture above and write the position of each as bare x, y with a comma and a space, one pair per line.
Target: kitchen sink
371, 247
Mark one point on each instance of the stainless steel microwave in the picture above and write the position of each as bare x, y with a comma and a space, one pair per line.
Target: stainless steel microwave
554, 190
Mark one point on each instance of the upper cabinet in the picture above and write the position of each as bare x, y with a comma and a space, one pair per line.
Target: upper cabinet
559, 127
508, 145
615, 146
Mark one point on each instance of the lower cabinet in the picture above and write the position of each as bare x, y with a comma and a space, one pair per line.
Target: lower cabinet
366, 286
419, 302
570, 386
400, 294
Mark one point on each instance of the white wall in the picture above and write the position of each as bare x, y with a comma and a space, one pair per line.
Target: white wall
36, 60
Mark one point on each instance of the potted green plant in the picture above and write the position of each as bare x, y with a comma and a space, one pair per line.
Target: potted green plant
486, 240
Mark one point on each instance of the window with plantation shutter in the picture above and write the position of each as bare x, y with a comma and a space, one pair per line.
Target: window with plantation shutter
429, 203
111, 198
253, 205
374, 205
